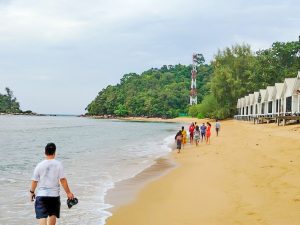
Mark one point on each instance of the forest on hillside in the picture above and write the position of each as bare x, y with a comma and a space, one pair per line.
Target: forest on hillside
160, 92
234, 72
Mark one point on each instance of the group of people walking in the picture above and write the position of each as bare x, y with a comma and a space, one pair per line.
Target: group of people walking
196, 134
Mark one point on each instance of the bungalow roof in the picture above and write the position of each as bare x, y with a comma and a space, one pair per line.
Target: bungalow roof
247, 100
263, 93
251, 99
279, 90
238, 104
256, 95
271, 93
289, 86
242, 102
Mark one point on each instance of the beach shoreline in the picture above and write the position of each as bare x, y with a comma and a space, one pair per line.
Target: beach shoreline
125, 191
248, 175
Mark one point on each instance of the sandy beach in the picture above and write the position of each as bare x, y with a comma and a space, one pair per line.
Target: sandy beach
248, 175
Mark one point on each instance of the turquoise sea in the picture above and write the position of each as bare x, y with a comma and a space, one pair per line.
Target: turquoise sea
95, 153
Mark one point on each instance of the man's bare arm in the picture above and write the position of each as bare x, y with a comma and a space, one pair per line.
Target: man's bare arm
32, 189
65, 185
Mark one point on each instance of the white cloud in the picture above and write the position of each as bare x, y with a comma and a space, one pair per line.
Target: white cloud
90, 44
55, 21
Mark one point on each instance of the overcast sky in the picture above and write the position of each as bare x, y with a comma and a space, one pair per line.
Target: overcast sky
56, 55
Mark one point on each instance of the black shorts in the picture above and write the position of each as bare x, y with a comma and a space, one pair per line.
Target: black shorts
47, 206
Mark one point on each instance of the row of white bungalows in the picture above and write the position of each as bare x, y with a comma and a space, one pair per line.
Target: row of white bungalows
282, 99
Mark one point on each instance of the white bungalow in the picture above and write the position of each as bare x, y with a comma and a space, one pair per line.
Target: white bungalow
251, 104
263, 101
255, 103
247, 105
242, 105
279, 98
238, 106
282, 99
271, 92
291, 97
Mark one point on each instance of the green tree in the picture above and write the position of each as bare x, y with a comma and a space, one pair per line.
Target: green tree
8, 103
121, 111
232, 69
280, 61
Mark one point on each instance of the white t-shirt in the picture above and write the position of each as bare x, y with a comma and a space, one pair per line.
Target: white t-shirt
48, 173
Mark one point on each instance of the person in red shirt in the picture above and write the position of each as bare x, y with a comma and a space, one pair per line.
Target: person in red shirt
191, 130
208, 133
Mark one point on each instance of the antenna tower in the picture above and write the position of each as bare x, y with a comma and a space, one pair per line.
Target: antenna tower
193, 92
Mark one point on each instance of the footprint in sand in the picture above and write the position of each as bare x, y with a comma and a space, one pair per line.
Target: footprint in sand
251, 213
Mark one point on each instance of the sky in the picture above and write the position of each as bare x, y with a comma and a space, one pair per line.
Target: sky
56, 55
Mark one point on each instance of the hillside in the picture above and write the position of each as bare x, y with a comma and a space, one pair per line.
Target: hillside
160, 92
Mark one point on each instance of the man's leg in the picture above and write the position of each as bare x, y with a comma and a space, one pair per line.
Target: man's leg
51, 220
43, 221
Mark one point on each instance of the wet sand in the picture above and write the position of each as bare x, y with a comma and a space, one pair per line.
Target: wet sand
248, 175
125, 191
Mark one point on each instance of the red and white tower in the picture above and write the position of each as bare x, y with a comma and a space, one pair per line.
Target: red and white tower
193, 92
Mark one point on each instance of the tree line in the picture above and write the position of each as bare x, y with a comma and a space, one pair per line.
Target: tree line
164, 92
238, 71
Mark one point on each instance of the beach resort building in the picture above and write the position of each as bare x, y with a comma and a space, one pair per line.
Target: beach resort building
247, 104
251, 104
255, 103
279, 101
238, 106
242, 104
279, 98
271, 93
291, 96
263, 101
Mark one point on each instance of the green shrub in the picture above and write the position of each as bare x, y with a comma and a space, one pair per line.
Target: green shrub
206, 109
200, 116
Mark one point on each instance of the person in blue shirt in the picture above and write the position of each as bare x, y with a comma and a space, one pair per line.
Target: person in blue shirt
203, 131
218, 126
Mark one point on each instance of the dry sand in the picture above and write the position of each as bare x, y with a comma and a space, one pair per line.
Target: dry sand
248, 175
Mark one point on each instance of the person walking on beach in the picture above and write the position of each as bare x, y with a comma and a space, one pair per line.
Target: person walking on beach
208, 133
178, 139
218, 126
191, 130
45, 187
197, 135
203, 131
183, 132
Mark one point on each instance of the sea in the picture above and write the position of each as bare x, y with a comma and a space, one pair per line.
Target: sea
96, 154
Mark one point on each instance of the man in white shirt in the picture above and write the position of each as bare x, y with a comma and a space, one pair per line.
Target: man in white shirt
47, 176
